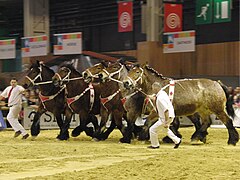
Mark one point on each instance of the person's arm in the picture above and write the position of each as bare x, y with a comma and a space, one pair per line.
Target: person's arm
167, 120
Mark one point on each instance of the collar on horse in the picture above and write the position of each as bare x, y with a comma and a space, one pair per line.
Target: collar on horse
75, 98
109, 98
124, 100
48, 98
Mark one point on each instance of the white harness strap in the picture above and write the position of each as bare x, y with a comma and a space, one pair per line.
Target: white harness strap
92, 96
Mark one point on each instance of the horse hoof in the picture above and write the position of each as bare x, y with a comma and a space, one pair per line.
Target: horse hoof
33, 137
95, 139
124, 141
196, 142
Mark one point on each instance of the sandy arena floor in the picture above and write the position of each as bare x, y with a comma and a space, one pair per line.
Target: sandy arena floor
80, 158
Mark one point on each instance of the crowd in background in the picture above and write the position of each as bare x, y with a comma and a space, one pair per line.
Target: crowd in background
236, 96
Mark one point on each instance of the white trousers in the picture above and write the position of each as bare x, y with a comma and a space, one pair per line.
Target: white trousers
154, 130
12, 118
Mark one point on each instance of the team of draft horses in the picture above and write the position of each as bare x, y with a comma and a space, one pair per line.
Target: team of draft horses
121, 94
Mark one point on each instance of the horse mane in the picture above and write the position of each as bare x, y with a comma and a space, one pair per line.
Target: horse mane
156, 73
70, 66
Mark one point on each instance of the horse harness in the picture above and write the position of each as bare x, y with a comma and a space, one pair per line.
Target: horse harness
48, 98
75, 98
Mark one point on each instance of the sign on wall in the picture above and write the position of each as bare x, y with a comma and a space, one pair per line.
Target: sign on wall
34, 46
217, 11
125, 16
172, 17
8, 49
179, 42
222, 11
203, 11
47, 120
68, 43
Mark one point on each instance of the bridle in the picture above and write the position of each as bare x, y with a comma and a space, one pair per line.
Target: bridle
39, 75
110, 75
90, 73
134, 82
67, 76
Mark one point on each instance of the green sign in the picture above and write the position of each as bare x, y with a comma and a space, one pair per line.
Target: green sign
222, 11
203, 12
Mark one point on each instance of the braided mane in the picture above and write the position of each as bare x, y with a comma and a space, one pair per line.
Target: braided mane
155, 72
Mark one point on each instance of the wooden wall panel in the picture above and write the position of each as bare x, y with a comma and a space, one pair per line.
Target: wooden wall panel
220, 59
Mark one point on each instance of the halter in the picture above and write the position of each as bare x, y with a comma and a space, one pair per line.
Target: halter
90, 73
67, 77
36, 77
110, 75
134, 82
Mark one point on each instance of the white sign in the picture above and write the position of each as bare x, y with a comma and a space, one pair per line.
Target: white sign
69, 43
47, 120
34, 46
8, 49
183, 41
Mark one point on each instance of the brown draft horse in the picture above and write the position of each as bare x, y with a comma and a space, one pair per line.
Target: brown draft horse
111, 96
202, 96
52, 98
82, 98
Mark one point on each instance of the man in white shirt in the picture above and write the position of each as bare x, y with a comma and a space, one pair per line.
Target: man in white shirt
14, 94
165, 117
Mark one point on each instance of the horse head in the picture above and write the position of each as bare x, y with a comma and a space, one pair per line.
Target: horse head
92, 74
115, 72
134, 77
65, 74
38, 72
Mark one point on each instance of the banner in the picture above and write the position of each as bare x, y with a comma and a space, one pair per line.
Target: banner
34, 46
8, 49
179, 42
68, 43
47, 120
125, 16
172, 17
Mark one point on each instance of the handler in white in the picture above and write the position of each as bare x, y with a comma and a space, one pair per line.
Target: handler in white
14, 95
166, 115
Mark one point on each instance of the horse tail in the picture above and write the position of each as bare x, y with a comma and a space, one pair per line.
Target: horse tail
229, 103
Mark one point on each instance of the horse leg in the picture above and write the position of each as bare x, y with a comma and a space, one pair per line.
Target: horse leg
77, 130
110, 129
35, 127
201, 133
64, 133
232, 132
174, 126
90, 130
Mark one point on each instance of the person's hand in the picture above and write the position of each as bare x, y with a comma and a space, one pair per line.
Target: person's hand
165, 125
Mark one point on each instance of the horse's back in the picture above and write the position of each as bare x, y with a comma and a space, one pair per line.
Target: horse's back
197, 94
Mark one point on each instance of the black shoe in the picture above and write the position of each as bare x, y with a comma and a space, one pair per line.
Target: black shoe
176, 145
25, 136
151, 147
17, 134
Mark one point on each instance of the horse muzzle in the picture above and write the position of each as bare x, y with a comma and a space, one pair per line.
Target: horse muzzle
127, 85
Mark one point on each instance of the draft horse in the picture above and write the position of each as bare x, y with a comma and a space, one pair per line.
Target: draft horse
202, 96
51, 98
111, 98
81, 98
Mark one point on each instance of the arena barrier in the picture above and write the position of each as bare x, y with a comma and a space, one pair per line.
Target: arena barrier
47, 120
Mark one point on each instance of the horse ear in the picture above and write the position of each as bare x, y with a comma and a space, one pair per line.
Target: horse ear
121, 61
105, 63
